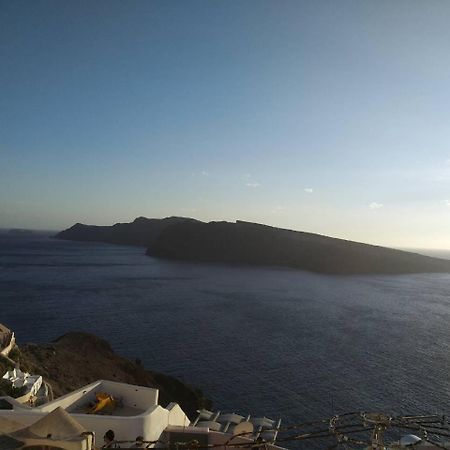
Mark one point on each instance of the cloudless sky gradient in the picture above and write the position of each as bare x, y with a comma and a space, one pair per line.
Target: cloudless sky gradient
324, 116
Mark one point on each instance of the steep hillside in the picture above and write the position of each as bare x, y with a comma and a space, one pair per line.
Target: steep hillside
249, 243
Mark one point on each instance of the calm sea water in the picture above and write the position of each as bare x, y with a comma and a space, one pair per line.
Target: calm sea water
278, 342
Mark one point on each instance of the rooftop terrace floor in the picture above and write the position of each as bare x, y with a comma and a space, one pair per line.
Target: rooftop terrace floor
121, 411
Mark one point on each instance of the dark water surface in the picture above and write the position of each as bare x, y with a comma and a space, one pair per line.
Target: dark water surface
268, 341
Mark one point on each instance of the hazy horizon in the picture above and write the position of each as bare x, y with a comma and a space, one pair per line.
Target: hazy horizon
317, 116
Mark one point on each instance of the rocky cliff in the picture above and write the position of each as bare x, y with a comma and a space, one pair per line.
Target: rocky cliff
141, 231
250, 243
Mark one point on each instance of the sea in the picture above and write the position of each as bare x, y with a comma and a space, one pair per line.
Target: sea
264, 341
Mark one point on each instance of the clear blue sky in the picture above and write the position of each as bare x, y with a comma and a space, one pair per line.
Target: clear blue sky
324, 116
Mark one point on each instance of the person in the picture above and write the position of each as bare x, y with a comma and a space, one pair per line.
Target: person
109, 441
139, 442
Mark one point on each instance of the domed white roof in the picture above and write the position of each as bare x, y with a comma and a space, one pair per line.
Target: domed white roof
409, 439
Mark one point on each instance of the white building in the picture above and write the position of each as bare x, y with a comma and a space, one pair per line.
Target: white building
134, 412
19, 379
137, 412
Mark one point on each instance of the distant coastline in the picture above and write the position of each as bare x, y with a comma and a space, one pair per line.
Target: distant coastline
19, 231
434, 253
187, 239
24, 232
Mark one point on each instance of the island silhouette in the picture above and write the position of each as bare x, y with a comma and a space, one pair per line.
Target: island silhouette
240, 242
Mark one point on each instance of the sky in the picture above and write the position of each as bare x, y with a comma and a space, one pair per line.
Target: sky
321, 116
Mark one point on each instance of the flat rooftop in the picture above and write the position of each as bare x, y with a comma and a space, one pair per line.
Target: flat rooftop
127, 400
119, 410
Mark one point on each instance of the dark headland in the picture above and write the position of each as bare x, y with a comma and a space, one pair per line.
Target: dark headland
250, 243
